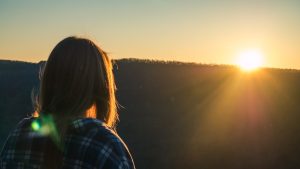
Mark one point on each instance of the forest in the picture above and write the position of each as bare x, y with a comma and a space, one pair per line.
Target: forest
176, 115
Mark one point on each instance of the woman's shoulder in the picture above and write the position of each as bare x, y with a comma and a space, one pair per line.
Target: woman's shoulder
95, 131
18, 148
22, 125
97, 141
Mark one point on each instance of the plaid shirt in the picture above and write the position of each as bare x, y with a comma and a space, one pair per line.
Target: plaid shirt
88, 143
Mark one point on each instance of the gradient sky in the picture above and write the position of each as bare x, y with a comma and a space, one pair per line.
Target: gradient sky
192, 31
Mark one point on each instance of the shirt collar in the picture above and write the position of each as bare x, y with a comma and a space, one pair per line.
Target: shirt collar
82, 123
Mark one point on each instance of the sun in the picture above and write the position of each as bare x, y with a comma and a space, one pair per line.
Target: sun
250, 60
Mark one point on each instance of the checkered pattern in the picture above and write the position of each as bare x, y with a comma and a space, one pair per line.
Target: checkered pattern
89, 143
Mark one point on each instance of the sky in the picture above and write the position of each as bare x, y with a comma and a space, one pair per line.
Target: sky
212, 32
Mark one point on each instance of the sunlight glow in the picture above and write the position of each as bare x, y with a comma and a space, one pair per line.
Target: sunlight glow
250, 60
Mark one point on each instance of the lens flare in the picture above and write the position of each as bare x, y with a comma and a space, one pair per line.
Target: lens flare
35, 126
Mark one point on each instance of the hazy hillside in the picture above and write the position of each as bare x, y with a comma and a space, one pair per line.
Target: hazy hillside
190, 116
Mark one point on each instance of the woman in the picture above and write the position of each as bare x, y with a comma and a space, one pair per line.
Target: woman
73, 126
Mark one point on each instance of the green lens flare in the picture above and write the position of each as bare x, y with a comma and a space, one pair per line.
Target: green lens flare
46, 127
35, 126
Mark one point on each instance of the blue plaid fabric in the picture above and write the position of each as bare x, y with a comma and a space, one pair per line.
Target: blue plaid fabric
88, 144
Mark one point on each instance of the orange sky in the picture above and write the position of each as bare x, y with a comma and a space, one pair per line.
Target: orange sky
191, 31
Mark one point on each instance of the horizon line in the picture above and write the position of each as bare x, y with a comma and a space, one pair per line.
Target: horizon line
167, 61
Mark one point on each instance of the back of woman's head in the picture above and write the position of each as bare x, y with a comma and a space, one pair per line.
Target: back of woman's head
77, 78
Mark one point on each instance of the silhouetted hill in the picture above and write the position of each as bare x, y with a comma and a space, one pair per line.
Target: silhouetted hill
186, 115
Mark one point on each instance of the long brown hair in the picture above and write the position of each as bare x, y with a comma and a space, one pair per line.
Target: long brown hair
77, 81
